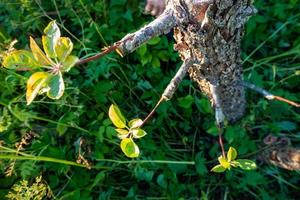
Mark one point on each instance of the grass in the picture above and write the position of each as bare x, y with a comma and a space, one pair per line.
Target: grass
181, 146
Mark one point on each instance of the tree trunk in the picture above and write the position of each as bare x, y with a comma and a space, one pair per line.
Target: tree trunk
208, 34
211, 33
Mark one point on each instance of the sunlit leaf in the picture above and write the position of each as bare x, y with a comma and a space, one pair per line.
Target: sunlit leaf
63, 48
69, 62
246, 164
218, 169
56, 86
20, 59
120, 136
120, 52
38, 53
224, 162
52, 34
234, 163
138, 133
231, 154
116, 116
35, 83
129, 148
122, 131
135, 123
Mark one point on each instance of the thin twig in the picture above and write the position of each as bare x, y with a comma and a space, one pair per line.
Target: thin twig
172, 86
176, 80
269, 95
98, 55
153, 110
287, 101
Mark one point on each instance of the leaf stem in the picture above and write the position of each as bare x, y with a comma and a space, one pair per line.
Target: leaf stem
147, 161
98, 55
106, 50
220, 131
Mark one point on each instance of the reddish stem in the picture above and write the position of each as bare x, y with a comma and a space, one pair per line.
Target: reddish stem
106, 50
220, 130
24, 69
153, 110
98, 55
287, 101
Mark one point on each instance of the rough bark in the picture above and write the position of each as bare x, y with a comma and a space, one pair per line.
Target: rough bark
213, 35
209, 32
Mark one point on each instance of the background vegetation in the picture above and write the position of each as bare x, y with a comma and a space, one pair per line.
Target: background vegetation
181, 145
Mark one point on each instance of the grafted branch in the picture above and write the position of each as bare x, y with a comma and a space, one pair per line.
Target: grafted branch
161, 25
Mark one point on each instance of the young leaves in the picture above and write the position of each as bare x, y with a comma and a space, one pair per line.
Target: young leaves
52, 35
20, 59
35, 83
227, 163
56, 57
127, 133
129, 148
56, 86
116, 116
38, 54
63, 48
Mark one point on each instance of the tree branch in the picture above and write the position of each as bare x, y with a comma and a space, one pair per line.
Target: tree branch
269, 95
176, 80
161, 25
172, 86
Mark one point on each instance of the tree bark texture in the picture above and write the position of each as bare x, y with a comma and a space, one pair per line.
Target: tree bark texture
212, 35
209, 33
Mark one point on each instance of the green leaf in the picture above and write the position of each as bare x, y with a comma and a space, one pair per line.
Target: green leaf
200, 164
69, 62
63, 48
52, 34
246, 164
135, 123
234, 163
116, 116
186, 102
129, 148
231, 154
224, 162
122, 133
56, 85
20, 59
138, 133
213, 130
218, 169
35, 83
38, 53
154, 41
